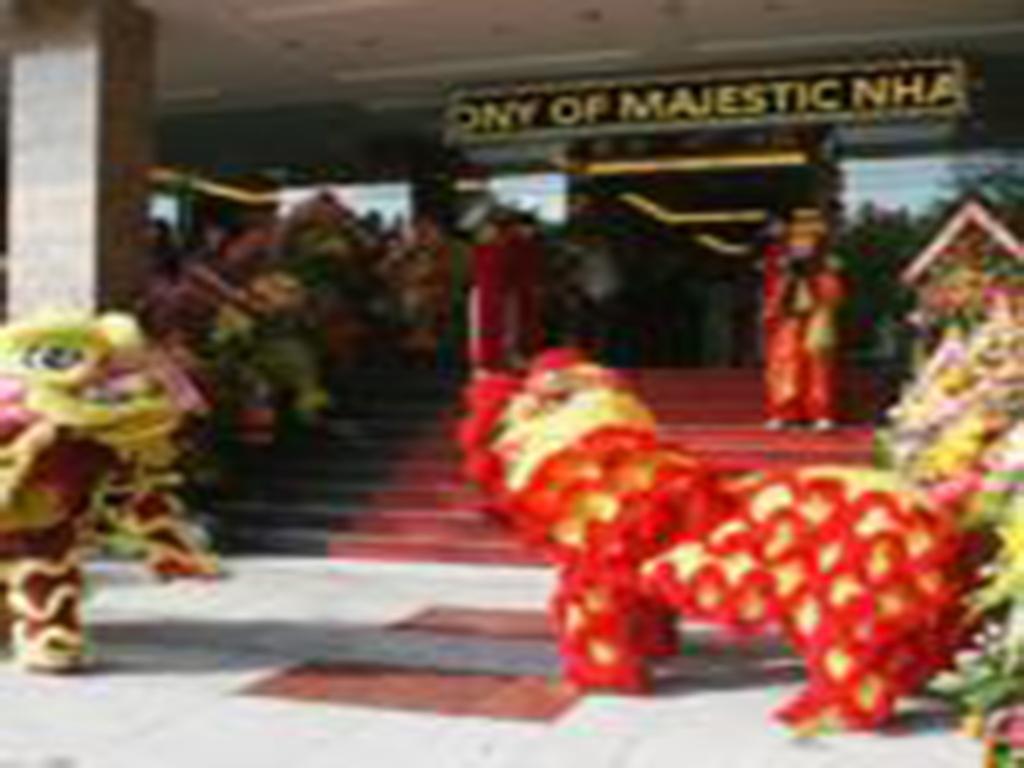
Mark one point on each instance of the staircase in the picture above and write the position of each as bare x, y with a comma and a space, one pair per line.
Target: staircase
380, 480
718, 413
383, 481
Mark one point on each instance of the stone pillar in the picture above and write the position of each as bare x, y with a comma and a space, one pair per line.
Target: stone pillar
82, 79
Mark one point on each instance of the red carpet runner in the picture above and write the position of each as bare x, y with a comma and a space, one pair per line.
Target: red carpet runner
423, 511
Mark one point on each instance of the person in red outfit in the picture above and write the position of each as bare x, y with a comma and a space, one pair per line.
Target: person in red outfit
507, 264
803, 290
489, 315
526, 284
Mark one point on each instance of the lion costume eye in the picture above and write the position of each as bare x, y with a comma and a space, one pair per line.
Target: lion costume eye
52, 358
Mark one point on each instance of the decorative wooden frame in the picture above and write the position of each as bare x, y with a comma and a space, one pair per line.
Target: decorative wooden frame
972, 211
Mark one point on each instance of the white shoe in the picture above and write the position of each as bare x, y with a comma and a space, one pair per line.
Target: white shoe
823, 425
774, 424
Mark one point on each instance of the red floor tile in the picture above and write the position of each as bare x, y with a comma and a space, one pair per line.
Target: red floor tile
438, 692
532, 698
477, 622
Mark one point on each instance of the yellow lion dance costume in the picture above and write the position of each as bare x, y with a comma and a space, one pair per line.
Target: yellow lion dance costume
87, 419
863, 577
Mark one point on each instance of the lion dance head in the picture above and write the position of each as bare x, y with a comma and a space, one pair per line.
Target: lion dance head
570, 456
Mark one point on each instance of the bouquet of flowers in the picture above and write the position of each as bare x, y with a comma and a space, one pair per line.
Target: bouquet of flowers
987, 682
418, 271
961, 289
246, 332
965, 400
259, 353
322, 242
326, 249
959, 434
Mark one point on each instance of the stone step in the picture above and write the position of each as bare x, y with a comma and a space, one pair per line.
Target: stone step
360, 471
383, 481
240, 538
462, 523
431, 549
326, 506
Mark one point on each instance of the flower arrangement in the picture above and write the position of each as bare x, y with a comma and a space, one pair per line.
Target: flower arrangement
328, 250
962, 292
971, 262
959, 435
418, 270
256, 324
963, 402
260, 355
324, 247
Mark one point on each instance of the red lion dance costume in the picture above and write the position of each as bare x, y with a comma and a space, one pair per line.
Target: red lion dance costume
88, 415
859, 573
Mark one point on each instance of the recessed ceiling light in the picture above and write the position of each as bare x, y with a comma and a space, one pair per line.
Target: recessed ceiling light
894, 34
470, 67
309, 9
672, 8
204, 93
400, 103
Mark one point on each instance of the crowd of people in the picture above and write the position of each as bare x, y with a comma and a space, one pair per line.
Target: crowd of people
272, 308
416, 292
398, 279
269, 314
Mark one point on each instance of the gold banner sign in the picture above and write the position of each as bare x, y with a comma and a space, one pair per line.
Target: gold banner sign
831, 94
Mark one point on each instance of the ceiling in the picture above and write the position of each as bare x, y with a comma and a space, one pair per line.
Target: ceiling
396, 54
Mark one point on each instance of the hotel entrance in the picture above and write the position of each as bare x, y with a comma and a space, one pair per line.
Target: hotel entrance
681, 222
679, 186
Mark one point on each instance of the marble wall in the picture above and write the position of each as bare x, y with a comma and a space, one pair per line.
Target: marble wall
79, 149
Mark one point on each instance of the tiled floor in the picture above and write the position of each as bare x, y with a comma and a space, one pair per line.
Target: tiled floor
309, 664
442, 692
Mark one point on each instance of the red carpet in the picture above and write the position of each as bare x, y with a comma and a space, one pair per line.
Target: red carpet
425, 512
